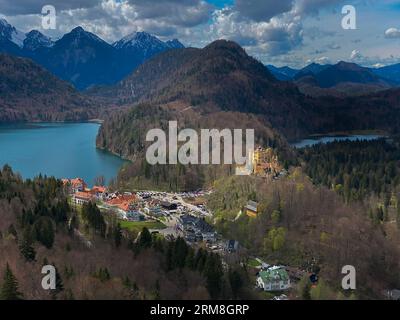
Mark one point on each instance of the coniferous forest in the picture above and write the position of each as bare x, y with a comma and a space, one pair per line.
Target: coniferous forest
355, 169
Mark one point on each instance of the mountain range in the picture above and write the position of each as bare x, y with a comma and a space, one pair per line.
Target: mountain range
341, 79
222, 78
81, 57
219, 77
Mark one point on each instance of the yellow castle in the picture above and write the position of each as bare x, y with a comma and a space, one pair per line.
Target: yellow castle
264, 162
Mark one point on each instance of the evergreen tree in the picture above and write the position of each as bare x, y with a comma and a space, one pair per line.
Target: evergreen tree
44, 231
9, 288
236, 282
59, 281
213, 272
117, 233
398, 213
26, 248
156, 292
92, 215
145, 239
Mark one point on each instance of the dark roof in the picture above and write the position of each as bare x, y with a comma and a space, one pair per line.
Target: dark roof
168, 205
197, 223
232, 244
252, 205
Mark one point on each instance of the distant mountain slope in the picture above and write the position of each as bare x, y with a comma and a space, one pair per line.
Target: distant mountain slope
30, 93
81, 57
340, 79
283, 73
312, 68
343, 72
288, 74
389, 72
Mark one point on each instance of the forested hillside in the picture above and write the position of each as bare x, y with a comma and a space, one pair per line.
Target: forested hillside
30, 93
310, 227
220, 77
355, 169
125, 135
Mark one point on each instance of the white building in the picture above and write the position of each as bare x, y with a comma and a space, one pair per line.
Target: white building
273, 279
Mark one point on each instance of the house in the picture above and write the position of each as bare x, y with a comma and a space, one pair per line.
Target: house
81, 198
231, 246
190, 236
122, 200
154, 211
78, 185
393, 294
169, 206
273, 279
99, 192
202, 230
74, 185
209, 236
124, 203
134, 215
251, 209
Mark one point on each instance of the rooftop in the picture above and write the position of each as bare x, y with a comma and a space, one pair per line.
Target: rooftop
274, 274
252, 205
83, 195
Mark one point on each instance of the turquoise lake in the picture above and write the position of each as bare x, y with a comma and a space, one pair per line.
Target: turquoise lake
62, 150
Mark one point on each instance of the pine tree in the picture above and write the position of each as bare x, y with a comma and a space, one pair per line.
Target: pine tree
59, 281
145, 238
117, 235
9, 288
44, 231
236, 282
398, 213
25, 247
213, 272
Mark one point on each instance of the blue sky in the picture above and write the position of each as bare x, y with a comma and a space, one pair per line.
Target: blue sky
221, 3
280, 32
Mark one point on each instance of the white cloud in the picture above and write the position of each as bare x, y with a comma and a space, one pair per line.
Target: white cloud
278, 35
392, 33
280, 31
113, 19
355, 55
323, 60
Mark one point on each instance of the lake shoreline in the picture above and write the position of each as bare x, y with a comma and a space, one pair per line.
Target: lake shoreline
59, 149
338, 137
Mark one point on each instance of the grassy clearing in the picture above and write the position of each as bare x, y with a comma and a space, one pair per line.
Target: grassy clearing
253, 263
137, 226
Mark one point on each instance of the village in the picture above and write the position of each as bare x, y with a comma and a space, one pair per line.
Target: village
186, 215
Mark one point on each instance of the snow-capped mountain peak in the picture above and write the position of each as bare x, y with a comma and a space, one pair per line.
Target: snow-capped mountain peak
139, 40
8, 32
35, 39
